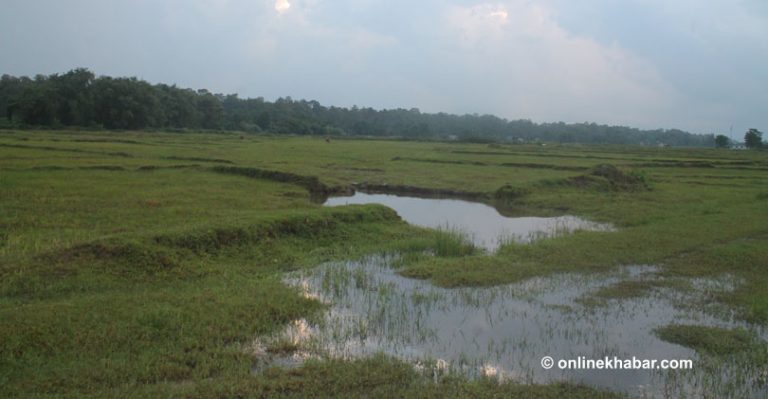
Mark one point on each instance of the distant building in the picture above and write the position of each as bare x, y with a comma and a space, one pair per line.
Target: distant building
738, 146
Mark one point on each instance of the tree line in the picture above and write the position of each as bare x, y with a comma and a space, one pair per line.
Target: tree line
753, 139
79, 98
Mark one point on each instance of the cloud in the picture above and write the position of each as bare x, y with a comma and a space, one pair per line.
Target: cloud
305, 32
477, 22
647, 63
509, 58
364, 40
524, 64
282, 6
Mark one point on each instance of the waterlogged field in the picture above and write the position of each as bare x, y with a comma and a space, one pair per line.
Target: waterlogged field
503, 331
178, 265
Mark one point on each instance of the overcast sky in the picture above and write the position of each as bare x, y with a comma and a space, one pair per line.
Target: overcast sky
698, 65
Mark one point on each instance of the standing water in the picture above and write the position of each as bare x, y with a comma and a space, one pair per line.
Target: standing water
484, 224
505, 331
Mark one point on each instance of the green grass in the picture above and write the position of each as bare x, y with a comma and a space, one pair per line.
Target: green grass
619, 291
453, 242
131, 266
710, 340
377, 377
380, 377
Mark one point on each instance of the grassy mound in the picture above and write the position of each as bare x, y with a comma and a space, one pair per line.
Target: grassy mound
709, 340
610, 178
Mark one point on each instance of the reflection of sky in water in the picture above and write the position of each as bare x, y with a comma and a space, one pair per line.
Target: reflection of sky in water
483, 223
504, 331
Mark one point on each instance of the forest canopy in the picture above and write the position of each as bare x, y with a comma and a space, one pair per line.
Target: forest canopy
79, 98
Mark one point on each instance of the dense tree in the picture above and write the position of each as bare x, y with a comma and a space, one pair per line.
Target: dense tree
126, 103
179, 107
753, 138
722, 141
73, 100
35, 104
210, 109
10, 90
78, 98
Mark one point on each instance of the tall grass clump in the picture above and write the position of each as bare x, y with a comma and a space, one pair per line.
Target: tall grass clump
453, 241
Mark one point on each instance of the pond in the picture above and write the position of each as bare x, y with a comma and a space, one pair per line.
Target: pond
484, 225
504, 331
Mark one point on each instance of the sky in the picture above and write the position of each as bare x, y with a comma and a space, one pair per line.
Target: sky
696, 65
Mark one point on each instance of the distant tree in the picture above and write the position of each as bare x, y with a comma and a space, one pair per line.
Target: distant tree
72, 98
10, 89
126, 103
722, 141
179, 106
753, 138
79, 98
210, 109
264, 120
35, 105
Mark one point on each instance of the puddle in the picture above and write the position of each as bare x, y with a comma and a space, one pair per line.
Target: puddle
504, 331
484, 224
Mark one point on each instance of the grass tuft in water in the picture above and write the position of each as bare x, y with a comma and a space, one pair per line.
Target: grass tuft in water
709, 340
452, 241
620, 291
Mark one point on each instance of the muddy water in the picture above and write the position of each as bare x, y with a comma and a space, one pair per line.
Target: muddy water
486, 227
505, 331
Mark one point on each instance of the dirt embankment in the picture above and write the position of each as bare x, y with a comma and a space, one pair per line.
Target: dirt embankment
171, 252
610, 178
311, 183
397, 189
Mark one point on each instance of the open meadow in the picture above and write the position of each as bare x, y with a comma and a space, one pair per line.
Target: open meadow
138, 264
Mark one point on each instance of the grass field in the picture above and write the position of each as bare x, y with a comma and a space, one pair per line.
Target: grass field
136, 264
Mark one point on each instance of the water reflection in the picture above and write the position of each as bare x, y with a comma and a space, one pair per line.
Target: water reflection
484, 224
504, 331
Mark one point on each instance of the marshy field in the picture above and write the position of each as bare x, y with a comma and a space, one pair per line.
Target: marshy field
226, 265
